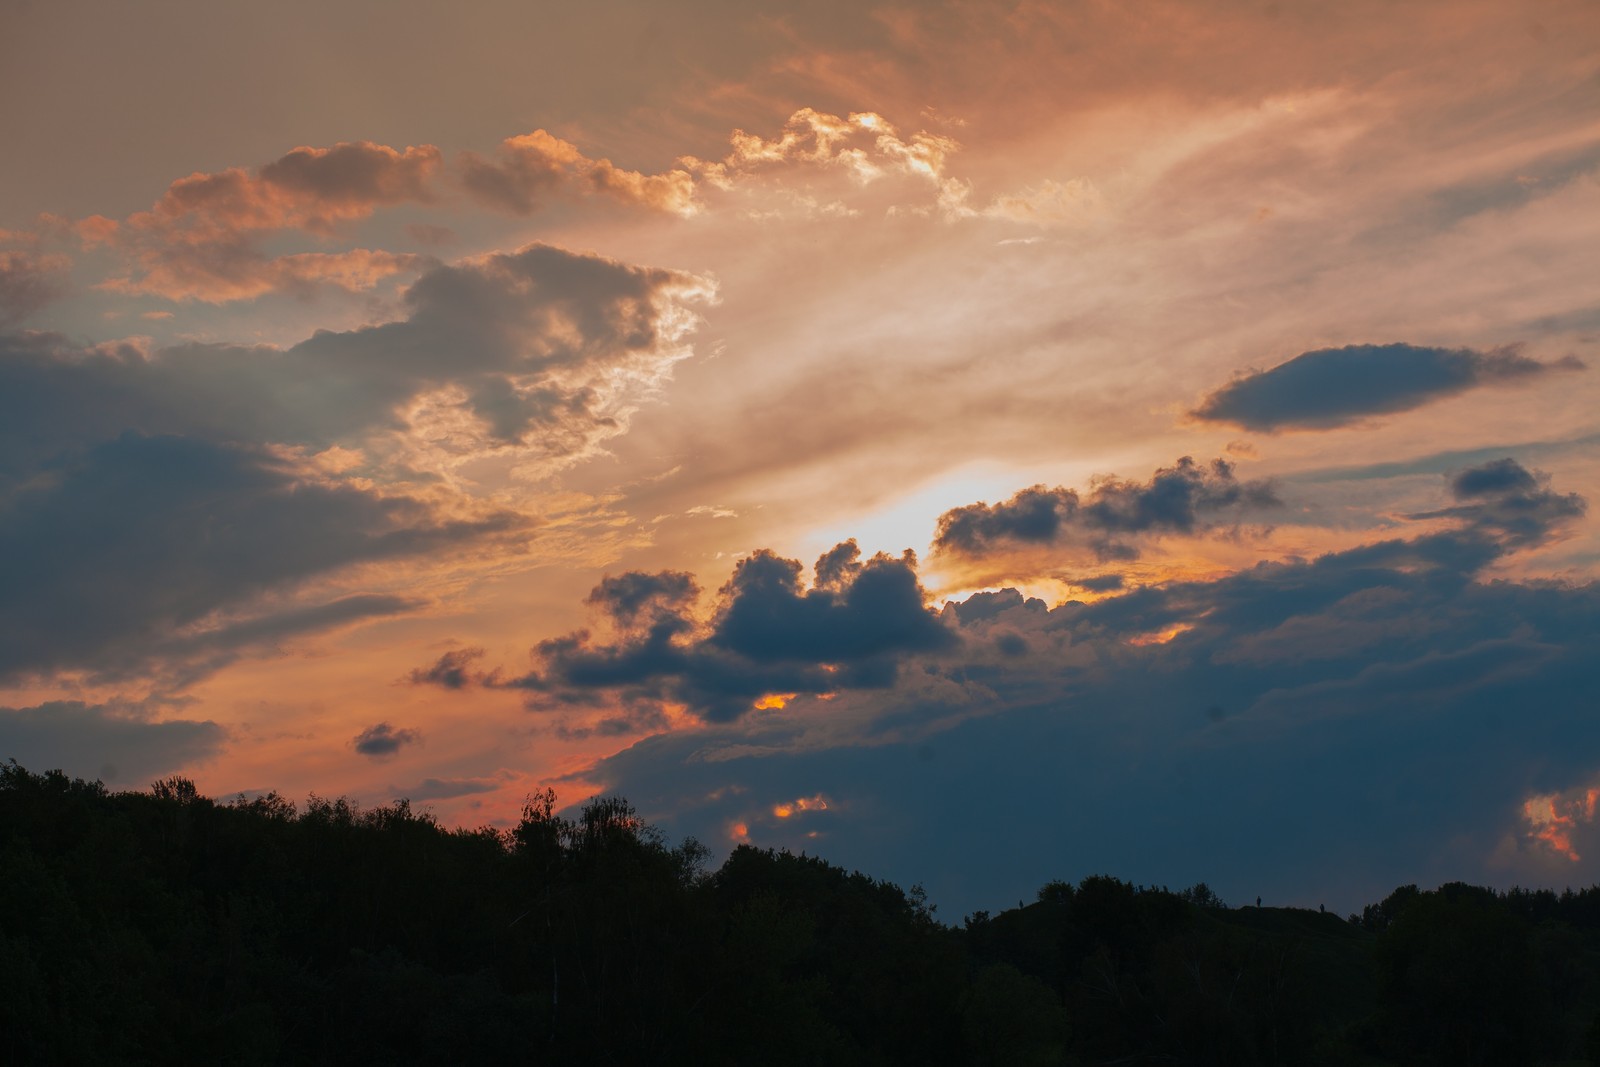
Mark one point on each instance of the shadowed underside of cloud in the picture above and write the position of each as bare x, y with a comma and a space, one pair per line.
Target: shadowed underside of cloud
116, 746
1253, 729
1182, 499
1333, 387
134, 547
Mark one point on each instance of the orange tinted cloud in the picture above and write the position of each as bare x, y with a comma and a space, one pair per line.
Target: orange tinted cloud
200, 241
538, 164
1552, 819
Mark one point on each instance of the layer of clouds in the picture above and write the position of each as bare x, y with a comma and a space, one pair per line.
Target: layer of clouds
1249, 730
1184, 499
1333, 387
163, 504
530, 348
119, 746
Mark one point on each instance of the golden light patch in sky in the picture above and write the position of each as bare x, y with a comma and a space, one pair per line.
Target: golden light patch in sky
1553, 818
788, 809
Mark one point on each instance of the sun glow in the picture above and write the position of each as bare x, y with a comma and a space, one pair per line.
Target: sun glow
793, 807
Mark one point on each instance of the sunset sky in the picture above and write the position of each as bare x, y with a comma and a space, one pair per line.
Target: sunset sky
975, 442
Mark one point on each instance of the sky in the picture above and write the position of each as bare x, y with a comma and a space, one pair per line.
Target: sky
978, 443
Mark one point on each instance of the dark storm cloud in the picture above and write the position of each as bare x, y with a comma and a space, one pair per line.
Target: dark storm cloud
1333, 387
1374, 716
118, 746
382, 740
113, 554
1177, 500
769, 635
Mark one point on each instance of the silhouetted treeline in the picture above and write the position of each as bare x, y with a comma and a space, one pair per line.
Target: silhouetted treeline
164, 927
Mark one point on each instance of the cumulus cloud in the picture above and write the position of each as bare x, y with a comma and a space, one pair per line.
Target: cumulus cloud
769, 635
1332, 387
202, 239
380, 741
1182, 499
536, 165
118, 745
1249, 729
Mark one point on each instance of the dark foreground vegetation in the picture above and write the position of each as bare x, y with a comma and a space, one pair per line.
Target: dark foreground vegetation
163, 927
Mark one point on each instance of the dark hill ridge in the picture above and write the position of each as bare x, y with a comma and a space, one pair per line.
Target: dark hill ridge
164, 927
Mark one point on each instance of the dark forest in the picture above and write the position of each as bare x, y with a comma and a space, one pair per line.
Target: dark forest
166, 927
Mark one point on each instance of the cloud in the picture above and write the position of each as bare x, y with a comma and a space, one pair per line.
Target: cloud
1333, 387
449, 788
149, 546
381, 741
28, 281
202, 239
451, 670
768, 636
539, 349
539, 164
1181, 499
1250, 730
1505, 500
119, 746
170, 505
